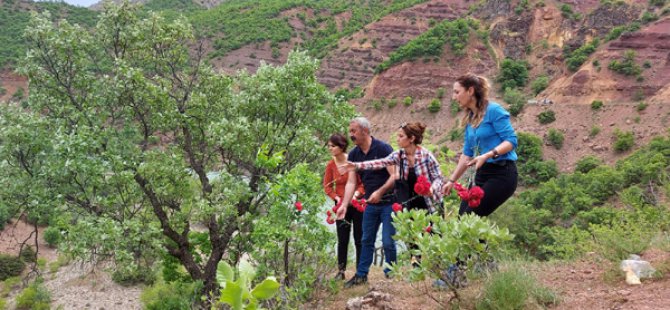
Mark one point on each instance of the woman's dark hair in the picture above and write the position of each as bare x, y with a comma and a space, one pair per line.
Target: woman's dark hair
340, 141
414, 130
481, 93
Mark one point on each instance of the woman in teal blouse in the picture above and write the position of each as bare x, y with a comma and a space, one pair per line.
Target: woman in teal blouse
489, 145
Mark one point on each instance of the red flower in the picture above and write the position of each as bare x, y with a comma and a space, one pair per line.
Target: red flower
473, 203
298, 206
356, 204
476, 192
328, 213
429, 229
330, 220
458, 187
422, 186
464, 195
396, 207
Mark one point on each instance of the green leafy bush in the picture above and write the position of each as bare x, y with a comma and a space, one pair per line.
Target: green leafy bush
539, 84
595, 130
623, 141
576, 58
440, 93
392, 102
132, 274
454, 108
546, 117
170, 296
430, 43
52, 236
596, 105
627, 66
407, 101
588, 163
533, 169
435, 105
555, 138
10, 266
27, 254
641, 106
515, 99
515, 289
513, 74
34, 297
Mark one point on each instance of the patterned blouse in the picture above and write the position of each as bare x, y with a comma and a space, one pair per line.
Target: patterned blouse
424, 164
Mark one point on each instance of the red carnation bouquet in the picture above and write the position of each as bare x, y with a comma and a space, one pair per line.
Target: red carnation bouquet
422, 186
473, 195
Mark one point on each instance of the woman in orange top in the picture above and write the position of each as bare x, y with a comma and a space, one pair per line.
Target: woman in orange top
333, 184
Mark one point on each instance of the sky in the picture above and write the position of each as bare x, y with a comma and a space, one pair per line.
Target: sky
81, 2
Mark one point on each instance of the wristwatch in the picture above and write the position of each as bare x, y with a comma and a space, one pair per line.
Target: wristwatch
495, 153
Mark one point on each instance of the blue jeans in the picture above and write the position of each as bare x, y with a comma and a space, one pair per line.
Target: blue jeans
372, 217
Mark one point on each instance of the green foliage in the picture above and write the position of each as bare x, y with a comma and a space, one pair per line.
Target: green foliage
440, 93
454, 108
456, 133
515, 99
345, 94
539, 84
623, 141
376, 104
555, 138
18, 94
430, 43
170, 296
532, 168
180, 145
514, 289
595, 130
10, 266
392, 102
546, 117
513, 73
452, 239
566, 10
617, 31
34, 297
52, 236
236, 290
648, 17
27, 254
641, 106
407, 101
627, 65
576, 58
596, 105
587, 163
5, 215
435, 105
129, 275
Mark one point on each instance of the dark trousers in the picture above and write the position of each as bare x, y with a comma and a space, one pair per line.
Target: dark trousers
498, 180
352, 218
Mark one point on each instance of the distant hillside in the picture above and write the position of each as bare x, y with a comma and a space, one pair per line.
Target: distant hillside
379, 53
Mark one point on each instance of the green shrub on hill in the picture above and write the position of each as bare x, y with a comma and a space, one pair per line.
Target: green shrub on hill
533, 170
513, 73
435, 105
587, 164
627, 65
546, 117
555, 138
430, 43
576, 58
515, 99
10, 266
623, 141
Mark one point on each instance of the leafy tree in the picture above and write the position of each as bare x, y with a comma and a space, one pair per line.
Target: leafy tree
139, 142
513, 73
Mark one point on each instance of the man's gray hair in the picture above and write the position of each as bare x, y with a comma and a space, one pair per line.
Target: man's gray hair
363, 122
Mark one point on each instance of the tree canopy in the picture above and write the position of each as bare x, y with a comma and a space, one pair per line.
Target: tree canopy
140, 148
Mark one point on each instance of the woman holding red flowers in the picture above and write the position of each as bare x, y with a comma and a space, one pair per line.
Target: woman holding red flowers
334, 184
418, 166
489, 146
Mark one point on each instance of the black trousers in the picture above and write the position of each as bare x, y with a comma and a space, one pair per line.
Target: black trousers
498, 180
352, 218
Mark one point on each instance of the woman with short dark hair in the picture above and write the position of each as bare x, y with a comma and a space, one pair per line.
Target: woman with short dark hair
334, 184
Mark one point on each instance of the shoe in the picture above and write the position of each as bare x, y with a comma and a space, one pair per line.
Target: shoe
339, 276
456, 276
388, 275
356, 280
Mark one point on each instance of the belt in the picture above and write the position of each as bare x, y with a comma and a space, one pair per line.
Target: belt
502, 163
